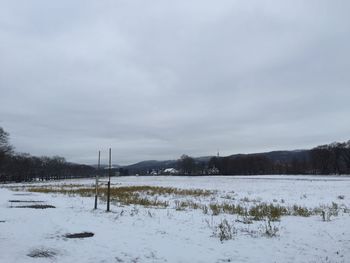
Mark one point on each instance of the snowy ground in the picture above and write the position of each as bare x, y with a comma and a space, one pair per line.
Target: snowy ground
143, 234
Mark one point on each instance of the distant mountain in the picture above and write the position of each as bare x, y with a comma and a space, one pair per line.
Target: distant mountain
104, 166
145, 166
203, 159
275, 156
150, 165
332, 158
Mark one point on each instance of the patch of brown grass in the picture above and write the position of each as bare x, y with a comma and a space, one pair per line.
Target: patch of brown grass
128, 195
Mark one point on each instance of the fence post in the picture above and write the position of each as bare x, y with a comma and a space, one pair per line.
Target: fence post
98, 171
109, 179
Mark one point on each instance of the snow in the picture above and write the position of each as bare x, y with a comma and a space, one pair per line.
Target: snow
140, 234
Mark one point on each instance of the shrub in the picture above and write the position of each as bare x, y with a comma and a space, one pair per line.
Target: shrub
215, 208
270, 229
341, 197
205, 209
301, 211
225, 231
330, 211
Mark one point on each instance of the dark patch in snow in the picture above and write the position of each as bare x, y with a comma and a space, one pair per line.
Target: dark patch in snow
25, 201
225, 260
80, 235
42, 253
2, 221
34, 206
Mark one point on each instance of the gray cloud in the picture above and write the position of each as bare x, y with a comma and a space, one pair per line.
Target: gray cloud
157, 79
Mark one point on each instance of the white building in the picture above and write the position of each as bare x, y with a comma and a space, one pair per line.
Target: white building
170, 171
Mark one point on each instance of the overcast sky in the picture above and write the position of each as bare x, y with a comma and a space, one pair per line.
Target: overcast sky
156, 79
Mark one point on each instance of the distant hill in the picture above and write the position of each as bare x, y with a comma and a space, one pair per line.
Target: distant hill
104, 166
145, 166
331, 158
150, 165
275, 156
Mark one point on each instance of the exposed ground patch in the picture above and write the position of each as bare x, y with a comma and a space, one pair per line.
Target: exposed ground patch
42, 253
25, 201
79, 235
34, 206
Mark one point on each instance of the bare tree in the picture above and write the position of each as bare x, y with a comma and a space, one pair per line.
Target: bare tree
5, 147
186, 164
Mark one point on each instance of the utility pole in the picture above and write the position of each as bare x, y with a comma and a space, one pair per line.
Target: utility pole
109, 179
98, 171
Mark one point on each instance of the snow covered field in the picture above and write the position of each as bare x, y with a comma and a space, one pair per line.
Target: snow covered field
135, 233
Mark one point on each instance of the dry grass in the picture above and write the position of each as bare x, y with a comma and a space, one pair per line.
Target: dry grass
263, 211
149, 190
129, 195
183, 205
270, 211
155, 196
302, 211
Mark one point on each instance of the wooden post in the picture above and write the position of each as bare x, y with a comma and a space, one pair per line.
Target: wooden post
109, 179
98, 171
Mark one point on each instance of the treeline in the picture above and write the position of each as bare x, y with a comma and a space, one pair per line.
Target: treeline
17, 167
187, 165
24, 167
326, 160
331, 159
256, 164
